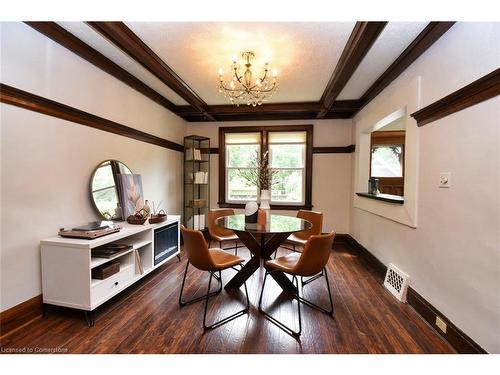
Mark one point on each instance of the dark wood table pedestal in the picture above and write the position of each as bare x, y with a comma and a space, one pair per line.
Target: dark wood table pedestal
261, 248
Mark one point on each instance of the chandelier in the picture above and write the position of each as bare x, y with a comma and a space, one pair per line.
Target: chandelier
243, 88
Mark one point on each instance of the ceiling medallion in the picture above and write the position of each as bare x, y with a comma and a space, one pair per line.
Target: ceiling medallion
243, 88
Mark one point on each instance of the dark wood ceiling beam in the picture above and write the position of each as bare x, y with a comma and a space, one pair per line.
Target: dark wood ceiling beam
59, 35
271, 111
432, 32
125, 39
361, 40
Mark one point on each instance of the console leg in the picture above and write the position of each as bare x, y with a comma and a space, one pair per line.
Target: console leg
90, 318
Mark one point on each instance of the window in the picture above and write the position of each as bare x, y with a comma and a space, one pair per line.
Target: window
287, 156
290, 157
241, 148
387, 160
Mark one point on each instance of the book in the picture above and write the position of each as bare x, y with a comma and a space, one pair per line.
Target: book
109, 250
138, 261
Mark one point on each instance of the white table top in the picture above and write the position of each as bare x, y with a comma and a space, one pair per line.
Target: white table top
127, 230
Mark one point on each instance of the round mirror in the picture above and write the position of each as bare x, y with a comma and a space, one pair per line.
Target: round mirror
104, 190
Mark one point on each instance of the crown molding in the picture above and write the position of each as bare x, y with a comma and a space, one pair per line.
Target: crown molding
14, 96
476, 92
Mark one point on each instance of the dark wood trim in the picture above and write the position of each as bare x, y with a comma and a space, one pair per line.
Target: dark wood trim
340, 239
283, 207
361, 40
59, 35
318, 150
454, 336
17, 316
125, 39
476, 92
272, 111
432, 32
264, 131
384, 197
334, 150
27, 100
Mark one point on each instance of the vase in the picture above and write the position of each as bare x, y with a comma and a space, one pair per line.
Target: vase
265, 198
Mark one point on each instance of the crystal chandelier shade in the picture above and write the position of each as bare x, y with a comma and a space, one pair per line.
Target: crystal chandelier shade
243, 88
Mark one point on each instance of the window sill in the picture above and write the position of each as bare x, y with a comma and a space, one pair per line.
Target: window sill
384, 197
286, 207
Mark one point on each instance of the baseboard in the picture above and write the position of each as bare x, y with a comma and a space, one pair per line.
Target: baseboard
19, 315
462, 343
341, 239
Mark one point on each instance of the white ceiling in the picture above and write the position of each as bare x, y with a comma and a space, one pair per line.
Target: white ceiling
393, 40
304, 54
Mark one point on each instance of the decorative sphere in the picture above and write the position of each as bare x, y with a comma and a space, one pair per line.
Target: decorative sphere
251, 208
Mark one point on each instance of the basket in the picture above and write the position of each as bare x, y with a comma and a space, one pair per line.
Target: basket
159, 218
136, 220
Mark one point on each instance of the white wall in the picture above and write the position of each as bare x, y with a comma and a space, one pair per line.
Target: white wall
453, 256
47, 162
331, 172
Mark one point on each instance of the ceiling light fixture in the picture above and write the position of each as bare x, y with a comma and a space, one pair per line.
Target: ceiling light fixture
243, 88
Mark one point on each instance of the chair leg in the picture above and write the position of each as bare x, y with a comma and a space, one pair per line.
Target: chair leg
196, 299
228, 318
236, 248
273, 320
313, 305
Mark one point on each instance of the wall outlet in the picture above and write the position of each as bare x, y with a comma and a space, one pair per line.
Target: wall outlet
444, 179
441, 324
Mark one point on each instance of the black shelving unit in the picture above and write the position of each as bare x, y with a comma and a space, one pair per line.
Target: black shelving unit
196, 181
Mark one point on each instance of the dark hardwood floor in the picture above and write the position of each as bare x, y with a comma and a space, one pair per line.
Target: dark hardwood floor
147, 318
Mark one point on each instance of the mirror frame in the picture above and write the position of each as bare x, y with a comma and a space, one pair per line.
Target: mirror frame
116, 186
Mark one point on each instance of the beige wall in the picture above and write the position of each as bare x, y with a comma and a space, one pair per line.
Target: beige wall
331, 172
453, 256
46, 163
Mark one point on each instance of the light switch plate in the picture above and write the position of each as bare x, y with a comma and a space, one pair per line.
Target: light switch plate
444, 179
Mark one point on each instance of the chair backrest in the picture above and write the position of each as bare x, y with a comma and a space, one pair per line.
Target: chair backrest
315, 254
316, 218
214, 229
197, 249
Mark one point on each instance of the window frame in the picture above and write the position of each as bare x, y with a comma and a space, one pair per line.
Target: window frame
389, 138
264, 132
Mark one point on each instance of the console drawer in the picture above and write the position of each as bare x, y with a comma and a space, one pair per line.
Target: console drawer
105, 288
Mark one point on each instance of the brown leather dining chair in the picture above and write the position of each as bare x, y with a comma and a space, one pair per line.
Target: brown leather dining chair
220, 234
214, 261
310, 263
300, 238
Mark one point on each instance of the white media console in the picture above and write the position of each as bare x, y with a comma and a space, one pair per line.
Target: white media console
67, 264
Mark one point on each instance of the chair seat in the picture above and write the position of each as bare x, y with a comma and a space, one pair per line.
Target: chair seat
232, 237
223, 259
286, 263
296, 240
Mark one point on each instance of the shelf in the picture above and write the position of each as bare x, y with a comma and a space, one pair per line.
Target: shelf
95, 282
192, 183
198, 161
384, 197
96, 261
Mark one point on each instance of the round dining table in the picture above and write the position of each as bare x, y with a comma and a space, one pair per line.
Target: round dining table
262, 240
